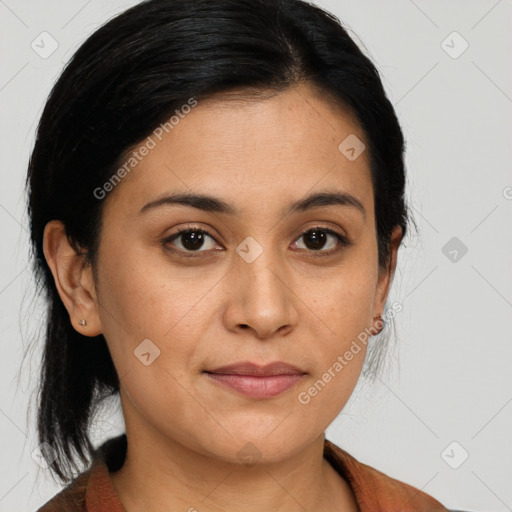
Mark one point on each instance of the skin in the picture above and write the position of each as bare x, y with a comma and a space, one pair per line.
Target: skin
183, 429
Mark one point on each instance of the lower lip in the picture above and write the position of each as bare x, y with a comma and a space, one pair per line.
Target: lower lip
257, 387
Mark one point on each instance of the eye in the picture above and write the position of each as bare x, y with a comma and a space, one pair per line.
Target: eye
316, 238
192, 239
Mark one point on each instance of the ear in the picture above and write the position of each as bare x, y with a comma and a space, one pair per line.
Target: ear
386, 274
73, 279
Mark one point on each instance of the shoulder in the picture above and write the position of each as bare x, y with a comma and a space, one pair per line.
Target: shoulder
71, 498
375, 491
93, 485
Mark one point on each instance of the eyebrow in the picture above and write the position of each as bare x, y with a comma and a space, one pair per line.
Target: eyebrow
216, 205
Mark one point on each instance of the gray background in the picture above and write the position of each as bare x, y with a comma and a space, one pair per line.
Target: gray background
449, 377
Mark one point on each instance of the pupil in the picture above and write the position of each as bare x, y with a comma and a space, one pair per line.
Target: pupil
318, 239
192, 240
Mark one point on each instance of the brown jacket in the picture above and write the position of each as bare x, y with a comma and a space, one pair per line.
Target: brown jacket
92, 490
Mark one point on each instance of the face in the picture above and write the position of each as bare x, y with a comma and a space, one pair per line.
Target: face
258, 281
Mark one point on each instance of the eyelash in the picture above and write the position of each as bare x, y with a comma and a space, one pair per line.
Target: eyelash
343, 242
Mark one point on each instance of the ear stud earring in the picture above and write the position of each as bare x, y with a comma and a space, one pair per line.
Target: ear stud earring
381, 321
82, 322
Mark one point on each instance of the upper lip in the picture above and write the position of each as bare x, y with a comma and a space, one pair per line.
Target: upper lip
248, 368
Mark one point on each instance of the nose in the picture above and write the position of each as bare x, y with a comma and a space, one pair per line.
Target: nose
261, 297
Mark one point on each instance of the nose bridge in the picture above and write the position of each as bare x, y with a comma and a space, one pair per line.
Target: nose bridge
257, 266
261, 299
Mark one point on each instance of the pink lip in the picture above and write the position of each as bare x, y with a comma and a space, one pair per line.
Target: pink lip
257, 381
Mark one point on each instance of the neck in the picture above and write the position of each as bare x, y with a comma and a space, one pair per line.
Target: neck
166, 475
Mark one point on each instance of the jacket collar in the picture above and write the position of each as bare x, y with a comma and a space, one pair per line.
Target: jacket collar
92, 491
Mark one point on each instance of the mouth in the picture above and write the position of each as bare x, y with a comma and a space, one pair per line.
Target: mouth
256, 381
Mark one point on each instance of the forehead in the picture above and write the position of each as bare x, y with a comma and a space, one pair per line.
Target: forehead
274, 148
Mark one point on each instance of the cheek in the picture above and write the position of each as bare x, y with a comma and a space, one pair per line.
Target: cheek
144, 299
346, 300
152, 322
144, 295
338, 359
345, 307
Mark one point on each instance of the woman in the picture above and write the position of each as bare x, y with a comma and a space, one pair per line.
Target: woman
216, 197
